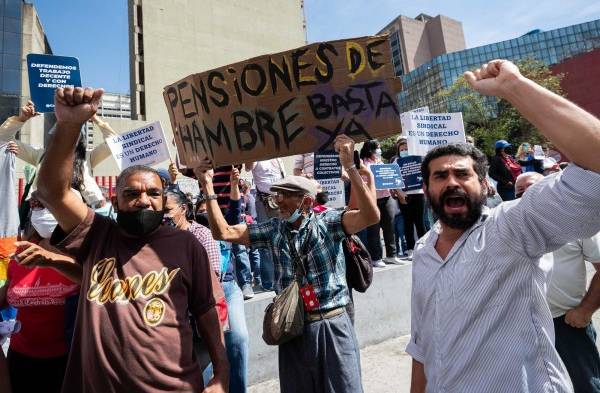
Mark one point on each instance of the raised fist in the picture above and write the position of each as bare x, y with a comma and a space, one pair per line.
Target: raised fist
76, 105
493, 78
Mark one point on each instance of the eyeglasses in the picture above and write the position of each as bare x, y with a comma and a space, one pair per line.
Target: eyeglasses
280, 195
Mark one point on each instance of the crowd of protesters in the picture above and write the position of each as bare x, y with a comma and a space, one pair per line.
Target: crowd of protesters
145, 291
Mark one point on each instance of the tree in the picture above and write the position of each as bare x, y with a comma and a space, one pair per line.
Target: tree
488, 119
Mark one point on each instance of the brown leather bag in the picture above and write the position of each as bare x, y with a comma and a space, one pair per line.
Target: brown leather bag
359, 269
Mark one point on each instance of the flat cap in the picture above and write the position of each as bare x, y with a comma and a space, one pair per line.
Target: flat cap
297, 184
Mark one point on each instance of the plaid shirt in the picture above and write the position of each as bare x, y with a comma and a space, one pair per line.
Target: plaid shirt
204, 236
326, 266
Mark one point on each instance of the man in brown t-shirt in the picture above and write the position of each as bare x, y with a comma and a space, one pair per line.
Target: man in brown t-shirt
140, 279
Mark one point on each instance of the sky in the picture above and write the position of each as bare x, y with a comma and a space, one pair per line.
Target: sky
96, 32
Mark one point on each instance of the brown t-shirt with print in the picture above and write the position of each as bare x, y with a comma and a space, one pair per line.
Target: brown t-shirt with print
132, 332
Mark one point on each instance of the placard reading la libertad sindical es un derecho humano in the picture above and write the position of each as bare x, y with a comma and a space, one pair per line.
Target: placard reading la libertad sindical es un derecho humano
286, 103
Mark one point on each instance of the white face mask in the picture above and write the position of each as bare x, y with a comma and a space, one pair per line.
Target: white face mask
44, 222
378, 152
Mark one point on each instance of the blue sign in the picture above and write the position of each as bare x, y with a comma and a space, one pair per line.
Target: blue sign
327, 165
410, 169
387, 176
46, 74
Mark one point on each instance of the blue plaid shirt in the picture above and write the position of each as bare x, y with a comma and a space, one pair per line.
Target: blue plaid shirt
325, 266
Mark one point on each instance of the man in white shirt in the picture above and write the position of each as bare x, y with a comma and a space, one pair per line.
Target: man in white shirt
304, 165
265, 173
479, 317
572, 304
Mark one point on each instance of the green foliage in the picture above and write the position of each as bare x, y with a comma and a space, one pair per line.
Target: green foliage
488, 119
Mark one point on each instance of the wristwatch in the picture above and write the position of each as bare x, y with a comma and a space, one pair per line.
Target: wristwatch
212, 197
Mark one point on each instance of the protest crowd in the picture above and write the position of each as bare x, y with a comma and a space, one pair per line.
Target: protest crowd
144, 290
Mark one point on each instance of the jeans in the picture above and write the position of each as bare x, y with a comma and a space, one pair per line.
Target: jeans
399, 232
412, 212
29, 374
236, 340
247, 261
267, 271
577, 349
386, 211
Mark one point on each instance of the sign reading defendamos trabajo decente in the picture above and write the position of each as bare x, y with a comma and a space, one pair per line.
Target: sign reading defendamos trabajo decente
287, 103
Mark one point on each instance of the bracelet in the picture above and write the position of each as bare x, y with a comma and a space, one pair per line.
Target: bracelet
212, 197
347, 169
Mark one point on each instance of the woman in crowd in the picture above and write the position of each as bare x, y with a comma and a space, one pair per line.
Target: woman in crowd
370, 154
37, 356
504, 170
526, 159
236, 337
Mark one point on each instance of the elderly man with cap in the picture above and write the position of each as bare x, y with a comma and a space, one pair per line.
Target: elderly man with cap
504, 170
326, 357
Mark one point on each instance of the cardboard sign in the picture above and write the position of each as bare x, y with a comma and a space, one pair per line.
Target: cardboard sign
143, 146
335, 190
46, 74
387, 176
287, 103
425, 131
327, 165
410, 170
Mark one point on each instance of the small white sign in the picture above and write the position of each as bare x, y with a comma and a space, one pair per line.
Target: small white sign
538, 152
404, 116
187, 184
425, 131
335, 190
143, 146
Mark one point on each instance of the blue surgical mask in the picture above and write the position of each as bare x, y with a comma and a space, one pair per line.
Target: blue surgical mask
403, 153
294, 216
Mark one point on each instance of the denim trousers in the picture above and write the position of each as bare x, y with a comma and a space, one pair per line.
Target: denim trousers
236, 340
247, 263
267, 270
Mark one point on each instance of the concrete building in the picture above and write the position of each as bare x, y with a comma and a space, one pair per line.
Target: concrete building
170, 40
416, 41
21, 33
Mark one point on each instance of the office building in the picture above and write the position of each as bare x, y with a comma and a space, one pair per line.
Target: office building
421, 85
416, 41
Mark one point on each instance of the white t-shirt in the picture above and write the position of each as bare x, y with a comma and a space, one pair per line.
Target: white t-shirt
567, 285
305, 162
267, 172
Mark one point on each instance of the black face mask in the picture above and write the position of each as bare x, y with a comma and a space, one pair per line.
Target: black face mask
140, 222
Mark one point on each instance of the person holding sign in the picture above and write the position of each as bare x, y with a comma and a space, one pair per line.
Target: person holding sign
526, 159
478, 293
140, 279
325, 358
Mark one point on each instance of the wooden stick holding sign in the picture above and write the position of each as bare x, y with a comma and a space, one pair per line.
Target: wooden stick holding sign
287, 103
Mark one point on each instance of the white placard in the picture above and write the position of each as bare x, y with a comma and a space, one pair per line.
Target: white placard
187, 184
335, 190
404, 115
538, 152
143, 146
425, 131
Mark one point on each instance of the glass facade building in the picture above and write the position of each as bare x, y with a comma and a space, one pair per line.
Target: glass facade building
420, 86
10, 55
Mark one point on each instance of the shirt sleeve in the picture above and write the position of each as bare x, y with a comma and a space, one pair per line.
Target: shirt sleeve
414, 347
299, 162
9, 129
333, 221
559, 209
91, 193
261, 234
99, 154
29, 154
205, 289
591, 249
210, 245
77, 242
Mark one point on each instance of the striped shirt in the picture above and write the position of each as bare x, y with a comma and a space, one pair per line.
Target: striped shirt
326, 266
204, 236
480, 321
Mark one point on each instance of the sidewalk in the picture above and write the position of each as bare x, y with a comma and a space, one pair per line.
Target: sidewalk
385, 369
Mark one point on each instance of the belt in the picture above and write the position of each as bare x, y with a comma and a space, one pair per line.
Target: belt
318, 316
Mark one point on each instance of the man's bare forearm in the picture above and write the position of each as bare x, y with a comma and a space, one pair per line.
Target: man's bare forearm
418, 381
591, 300
571, 129
212, 334
366, 201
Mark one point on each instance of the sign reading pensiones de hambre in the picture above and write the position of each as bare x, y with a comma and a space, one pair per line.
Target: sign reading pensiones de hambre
424, 131
286, 103
46, 74
143, 146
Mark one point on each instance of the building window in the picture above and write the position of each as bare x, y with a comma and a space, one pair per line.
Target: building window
142, 103
141, 77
